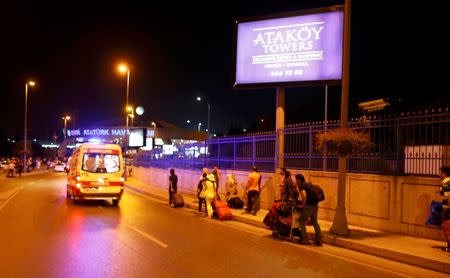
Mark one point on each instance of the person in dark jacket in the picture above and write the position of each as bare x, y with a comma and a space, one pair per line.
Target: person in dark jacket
310, 209
173, 180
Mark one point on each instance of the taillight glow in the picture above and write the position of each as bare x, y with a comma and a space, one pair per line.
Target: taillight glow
78, 185
122, 179
78, 178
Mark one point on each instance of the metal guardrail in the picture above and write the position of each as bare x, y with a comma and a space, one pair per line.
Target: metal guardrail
413, 143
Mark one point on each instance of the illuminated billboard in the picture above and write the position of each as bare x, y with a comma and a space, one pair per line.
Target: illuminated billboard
137, 137
302, 48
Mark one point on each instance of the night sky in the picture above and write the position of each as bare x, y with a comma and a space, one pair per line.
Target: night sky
178, 51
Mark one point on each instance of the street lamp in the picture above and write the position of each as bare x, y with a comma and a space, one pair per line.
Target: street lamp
65, 118
31, 83
209, 113
123, 68
199, 126
130, 113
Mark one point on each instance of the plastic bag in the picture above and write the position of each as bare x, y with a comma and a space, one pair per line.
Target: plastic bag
435, 216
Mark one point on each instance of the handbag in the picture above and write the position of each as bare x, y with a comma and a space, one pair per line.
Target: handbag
202, 194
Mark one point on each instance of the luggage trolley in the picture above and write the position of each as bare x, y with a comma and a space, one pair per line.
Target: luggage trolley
283, 226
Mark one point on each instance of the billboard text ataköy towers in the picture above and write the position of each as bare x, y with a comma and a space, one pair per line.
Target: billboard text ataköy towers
303, 48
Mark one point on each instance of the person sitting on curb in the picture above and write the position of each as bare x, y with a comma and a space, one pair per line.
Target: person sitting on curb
310, 209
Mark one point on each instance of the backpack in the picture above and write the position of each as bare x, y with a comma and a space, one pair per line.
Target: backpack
316, 193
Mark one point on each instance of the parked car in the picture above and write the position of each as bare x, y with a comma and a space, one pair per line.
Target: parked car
4, 165
60, 167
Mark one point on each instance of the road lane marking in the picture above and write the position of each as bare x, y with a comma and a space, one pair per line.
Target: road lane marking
144, 234
10, 197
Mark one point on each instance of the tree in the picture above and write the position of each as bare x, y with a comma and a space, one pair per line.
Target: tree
342, 142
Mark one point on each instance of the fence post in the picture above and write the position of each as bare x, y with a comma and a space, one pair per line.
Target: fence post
310, 147
218, 154
253, 151
204, 155
234, 153
398, 146
193, 159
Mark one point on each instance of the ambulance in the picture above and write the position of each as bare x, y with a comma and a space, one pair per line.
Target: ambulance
96, 173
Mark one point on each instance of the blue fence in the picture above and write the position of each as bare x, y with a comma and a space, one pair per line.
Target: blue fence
412, 143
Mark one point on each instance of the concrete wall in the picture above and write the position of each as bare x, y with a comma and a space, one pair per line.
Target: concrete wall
388, 203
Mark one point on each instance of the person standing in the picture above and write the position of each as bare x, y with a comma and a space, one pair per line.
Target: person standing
445, 193
252, 189
201, 191
310, 209
11, 166
210, 193
216, 173
20, 168
173, 180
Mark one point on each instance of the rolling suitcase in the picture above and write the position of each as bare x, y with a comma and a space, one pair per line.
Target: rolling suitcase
222, 210
178, 201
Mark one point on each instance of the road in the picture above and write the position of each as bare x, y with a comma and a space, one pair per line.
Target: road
43, 235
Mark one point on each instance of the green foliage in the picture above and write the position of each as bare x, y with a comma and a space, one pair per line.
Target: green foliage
343, 141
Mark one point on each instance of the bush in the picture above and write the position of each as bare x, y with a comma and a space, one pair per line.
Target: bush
343, 141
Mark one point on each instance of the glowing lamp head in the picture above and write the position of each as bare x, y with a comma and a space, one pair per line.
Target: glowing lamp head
122, 68
199, 99
129, 109
31, 83
139, 110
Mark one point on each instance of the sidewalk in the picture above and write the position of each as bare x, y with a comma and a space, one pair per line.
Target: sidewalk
420, 252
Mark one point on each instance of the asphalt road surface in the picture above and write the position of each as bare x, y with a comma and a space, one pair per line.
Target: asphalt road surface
43, 235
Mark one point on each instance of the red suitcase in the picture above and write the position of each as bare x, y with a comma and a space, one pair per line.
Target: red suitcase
223, 211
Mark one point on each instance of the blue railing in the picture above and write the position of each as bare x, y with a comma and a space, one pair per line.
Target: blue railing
414, 143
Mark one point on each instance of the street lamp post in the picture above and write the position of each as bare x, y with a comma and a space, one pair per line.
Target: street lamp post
65, 118
199, 126
209, 114
122, 68
31, 83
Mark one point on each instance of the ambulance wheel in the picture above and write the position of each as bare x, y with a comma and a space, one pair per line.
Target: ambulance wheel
275, 233
115, 202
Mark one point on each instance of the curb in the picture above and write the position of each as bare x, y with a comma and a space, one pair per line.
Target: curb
388, 254
341, 242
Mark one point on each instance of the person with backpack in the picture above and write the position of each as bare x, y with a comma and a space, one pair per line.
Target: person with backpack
311, 196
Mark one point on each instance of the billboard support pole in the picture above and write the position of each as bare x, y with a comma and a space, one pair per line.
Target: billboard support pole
325, 122
279, 128
340, 226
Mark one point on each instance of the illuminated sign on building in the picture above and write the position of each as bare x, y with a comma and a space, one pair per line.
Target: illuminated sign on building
103, 132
